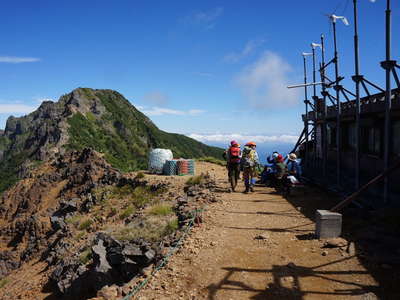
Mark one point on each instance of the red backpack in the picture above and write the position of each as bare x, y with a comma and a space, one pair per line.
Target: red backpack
234, 154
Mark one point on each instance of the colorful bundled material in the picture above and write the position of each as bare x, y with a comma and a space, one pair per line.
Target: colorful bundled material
183, 167
171, 167
179, 167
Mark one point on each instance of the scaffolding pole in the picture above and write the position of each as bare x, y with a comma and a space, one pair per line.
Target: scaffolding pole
306, 104
388, 65
324, 125
338, 108
315, 163
357, 79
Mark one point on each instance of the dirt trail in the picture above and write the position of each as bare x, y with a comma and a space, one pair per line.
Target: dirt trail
223, 259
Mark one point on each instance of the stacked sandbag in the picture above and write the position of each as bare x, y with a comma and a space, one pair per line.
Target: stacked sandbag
158, 158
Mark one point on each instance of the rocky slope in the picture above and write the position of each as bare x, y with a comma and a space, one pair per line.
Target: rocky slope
75, 224
100, 119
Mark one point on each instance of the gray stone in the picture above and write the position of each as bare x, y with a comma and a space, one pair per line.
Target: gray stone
57, 223
291, 265
131, 250
262, 236
369, 296
149, 254
328, 224
351, 249
99, 257
335, 242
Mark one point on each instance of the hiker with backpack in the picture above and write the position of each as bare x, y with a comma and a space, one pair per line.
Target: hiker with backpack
269, 169
280, 174
249, 164
233, 155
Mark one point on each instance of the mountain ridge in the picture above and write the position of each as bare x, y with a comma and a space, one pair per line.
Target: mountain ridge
101, 119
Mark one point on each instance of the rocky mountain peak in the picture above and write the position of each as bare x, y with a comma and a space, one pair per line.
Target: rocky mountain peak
99, 119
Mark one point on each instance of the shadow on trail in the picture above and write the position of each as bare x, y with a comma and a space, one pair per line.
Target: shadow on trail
259, 201
285, 213
287, 229
375, 245
287, 282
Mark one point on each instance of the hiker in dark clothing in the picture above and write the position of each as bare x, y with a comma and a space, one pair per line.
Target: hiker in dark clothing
281, 172
269, 169
293, 166
233, 155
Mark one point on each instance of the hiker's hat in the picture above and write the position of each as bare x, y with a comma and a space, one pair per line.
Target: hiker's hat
279, 158
251, 144
275, 154
292, 156
234, 143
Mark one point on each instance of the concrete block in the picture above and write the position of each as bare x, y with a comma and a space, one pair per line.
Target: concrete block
327, 224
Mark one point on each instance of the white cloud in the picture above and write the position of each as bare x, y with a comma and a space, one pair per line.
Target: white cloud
16, 108
226, 138
156, 97
206, 19
195, 112
264, 83
160, 111
248, 49
17, 60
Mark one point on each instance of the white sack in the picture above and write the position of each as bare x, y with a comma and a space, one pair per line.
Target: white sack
157, 159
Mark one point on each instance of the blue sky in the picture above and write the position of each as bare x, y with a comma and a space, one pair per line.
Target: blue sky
209, 69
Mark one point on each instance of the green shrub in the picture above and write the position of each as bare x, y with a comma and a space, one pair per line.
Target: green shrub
113, 212
194, 180
171, 226
79, 235
140, 175
139, 196
85, 224
85, 256
127, 212
161, 210
3, 282
153, 229
75, 220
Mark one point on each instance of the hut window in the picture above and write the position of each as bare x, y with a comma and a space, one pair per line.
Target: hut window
374, 141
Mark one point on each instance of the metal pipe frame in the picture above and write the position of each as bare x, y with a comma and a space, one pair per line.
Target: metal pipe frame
325, 112
338, 109
306, 104
314, 109
388, 98
358, 110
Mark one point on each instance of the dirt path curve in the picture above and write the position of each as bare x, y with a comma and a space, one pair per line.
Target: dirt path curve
224, 259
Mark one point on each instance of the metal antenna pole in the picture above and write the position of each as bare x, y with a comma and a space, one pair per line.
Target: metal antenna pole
324, 129
313, 63
357, 80
388, 97
315, 111
306, 103
338, 109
